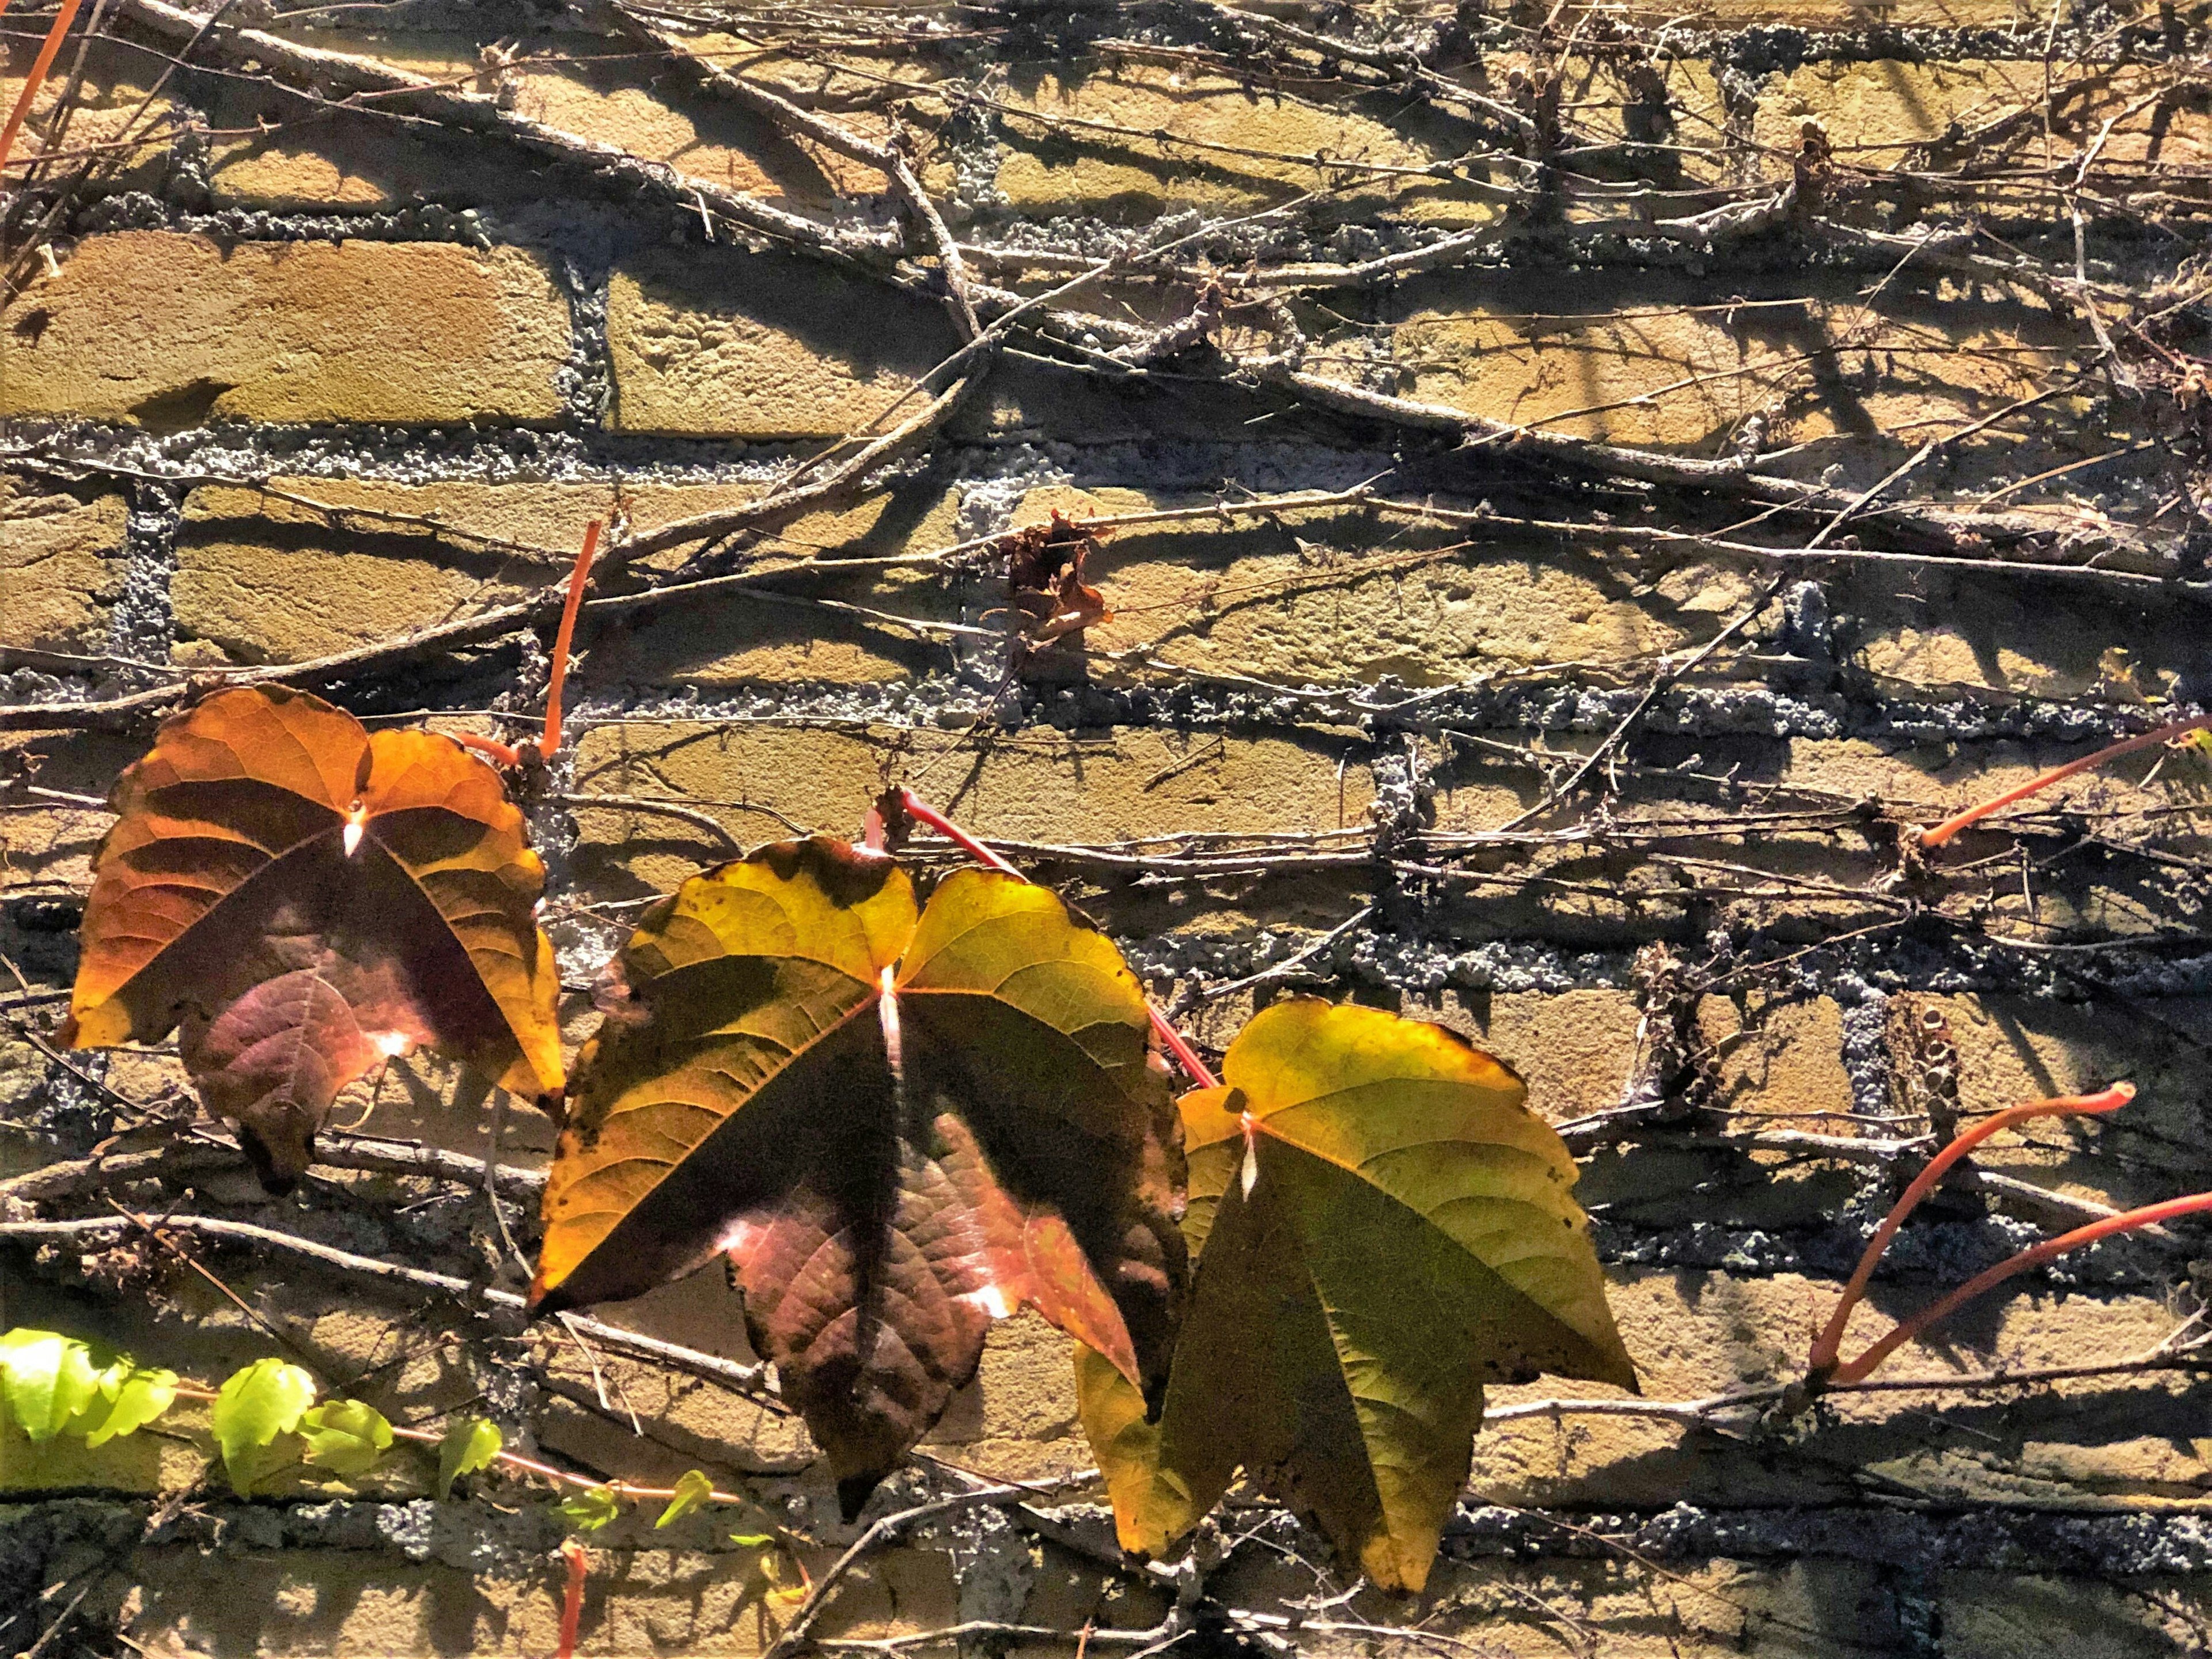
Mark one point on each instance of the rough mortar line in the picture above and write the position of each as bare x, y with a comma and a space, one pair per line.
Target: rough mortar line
142, 625
586, 381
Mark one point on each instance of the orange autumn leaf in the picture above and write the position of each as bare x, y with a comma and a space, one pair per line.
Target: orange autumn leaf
302, 899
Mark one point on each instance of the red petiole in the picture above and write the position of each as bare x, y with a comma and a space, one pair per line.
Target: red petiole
922, 812
548, 743
1822, 1363
572, 1598
43, 63
1951, 826
2149, 1215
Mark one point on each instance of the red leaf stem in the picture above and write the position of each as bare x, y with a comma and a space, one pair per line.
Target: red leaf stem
1951, 826
1825, 1347
2149, 1215
1177, 1044
572, 1600
492, 746
38, 78
550, 745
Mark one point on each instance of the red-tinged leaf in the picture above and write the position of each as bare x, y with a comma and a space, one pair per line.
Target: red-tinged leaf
304, 900
896, 1126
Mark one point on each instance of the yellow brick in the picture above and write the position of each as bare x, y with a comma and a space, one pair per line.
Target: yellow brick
640, 106
1697, 1334
1785, 1060
1892, 104
261, 580
1037, 786
61, 567
1018, 1420
729, 344
52, 845
353, 161
1283, 599
1949, 629
1994, 1616
2014, 1049
742, 638
1659, 363
1600, 105
154, 328
1574, 1049
1857, 14
1116, 166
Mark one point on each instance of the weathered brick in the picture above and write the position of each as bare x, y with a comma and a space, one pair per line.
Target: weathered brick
1782, 1060
1893, 104
1998, 1615
355, 1603
51, 845
574, 83
1138, 139
162, 329
2019, 1048
260, 579
1856, 13
1045, 788
1286, 598
747, 638
1668, 102
633, 104
1574, 1049
61, 567
1954, 627
349, 161
723, 344
1697, 1334
1656, 363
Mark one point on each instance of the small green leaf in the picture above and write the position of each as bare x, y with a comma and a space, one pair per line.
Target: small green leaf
256, 1405
137, 1397
469, 1445
591, 1509
345, 1437
693, 1488
753, 1541
45, 1380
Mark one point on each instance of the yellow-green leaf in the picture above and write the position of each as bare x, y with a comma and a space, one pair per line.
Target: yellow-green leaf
135, 1398
46, 1380
591, 1509
693, 1488
470, 1444
1381, 1228
251, 1410
345, 1437
896, 1125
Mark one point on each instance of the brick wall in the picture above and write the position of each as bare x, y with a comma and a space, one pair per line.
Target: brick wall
1858, 335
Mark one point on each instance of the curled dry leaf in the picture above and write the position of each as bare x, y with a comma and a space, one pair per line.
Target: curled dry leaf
897, 1126
303, 900
1380, 1227
1045, 578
